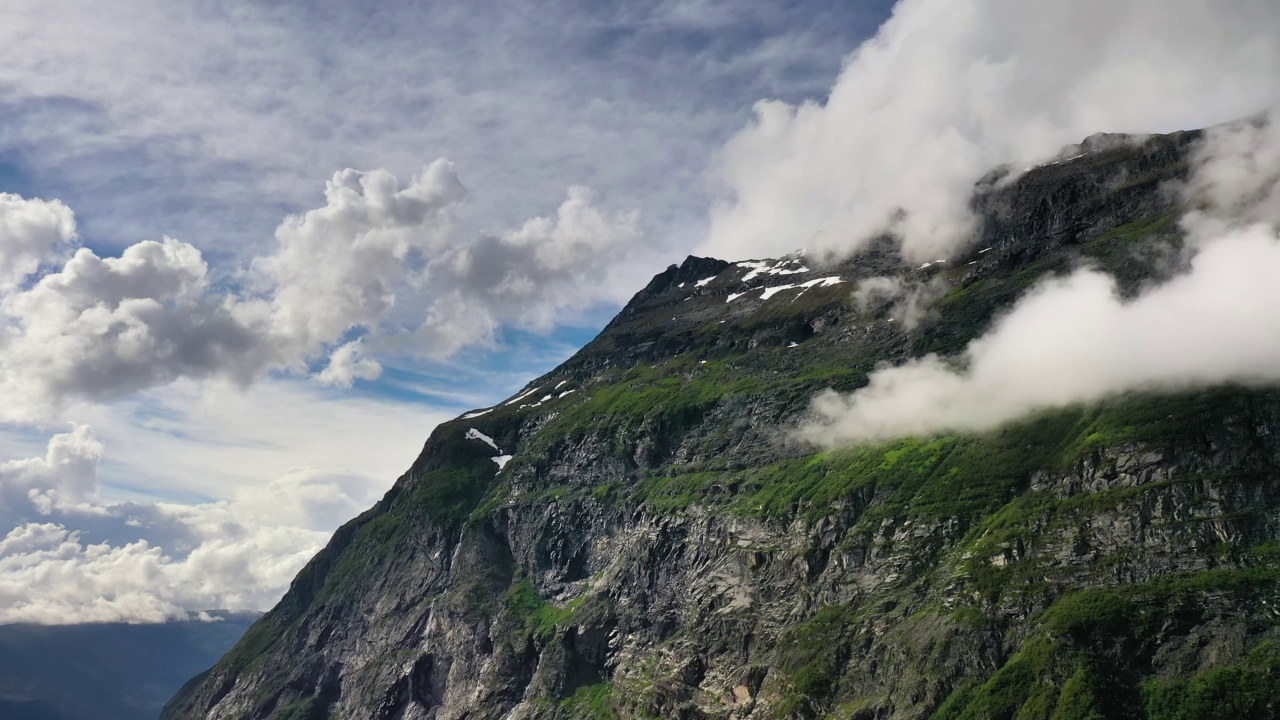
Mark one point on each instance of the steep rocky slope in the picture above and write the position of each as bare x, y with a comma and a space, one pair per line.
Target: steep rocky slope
658, 546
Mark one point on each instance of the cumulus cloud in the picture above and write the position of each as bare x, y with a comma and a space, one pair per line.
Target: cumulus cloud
104, 327
1074, 339
346, 365
32, 233
530, 276
377, 268
342, 265
948, 89
73, 557
65, 477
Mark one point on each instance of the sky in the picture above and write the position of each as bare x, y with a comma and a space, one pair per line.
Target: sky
251, 253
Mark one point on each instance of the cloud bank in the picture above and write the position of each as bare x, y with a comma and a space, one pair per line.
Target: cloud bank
1075, 340
377, 269
73, 557
949, 89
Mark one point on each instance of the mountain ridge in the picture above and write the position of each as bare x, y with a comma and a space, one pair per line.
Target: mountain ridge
660, 545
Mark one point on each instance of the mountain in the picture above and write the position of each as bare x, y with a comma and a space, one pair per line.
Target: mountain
637, 534
106, 671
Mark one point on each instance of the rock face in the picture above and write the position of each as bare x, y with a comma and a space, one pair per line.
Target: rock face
658, 546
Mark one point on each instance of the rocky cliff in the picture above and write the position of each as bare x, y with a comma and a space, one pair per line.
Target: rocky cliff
638, 535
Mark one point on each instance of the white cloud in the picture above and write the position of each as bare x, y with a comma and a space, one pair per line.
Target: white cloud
105, 327
533, 276
949, 89
193, 440
342, 265
346, 365
73, 556
32, 233
151, 349
1075, 340
65, 477
378, 260
203, 121
1236, 172
907, 301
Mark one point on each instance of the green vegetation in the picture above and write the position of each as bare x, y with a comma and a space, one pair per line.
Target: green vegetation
1130, 252
1086, 660
1138, 231
539, 617
591, 702
667, 400
305, 709
956, 476
812, 656
1243, 691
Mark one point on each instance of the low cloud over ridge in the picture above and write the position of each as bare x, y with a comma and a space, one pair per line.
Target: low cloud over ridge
948, 89
1074, 339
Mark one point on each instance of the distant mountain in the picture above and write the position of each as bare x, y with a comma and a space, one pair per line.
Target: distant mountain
105, 671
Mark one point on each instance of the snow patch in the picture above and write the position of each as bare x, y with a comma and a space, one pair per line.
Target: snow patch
561, 384
793, 344
518, 398
765, 267
704, 281
1059, 162
770, 292
476, 414
474, 434
566, 392
502, 460
983, 250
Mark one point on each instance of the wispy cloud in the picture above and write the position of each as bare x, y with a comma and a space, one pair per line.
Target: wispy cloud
208, 121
